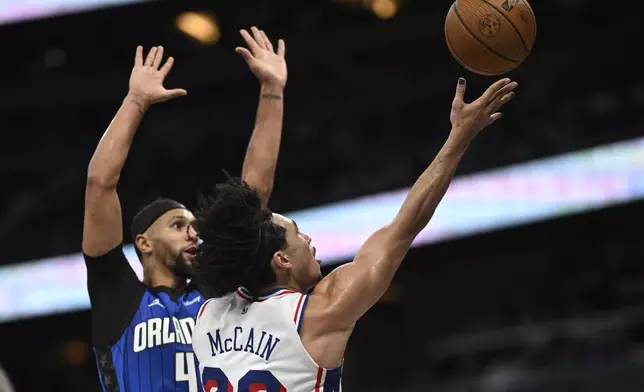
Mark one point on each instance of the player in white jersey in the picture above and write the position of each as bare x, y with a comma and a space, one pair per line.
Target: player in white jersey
256, 342
272, 324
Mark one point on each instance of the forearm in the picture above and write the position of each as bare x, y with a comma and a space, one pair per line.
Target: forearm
111, 153
366, 279
429, 189
263, 149
379, 258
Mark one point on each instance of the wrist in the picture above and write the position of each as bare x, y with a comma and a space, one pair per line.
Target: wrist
271, 89
137, 100
458, 141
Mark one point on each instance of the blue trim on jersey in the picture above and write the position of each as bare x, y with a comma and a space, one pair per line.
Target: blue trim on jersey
332, 380
243, 295
299, 321
271, 292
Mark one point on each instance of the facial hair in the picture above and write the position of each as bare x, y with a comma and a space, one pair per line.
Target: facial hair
181, 267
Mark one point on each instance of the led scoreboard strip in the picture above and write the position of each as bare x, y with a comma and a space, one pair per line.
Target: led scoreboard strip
481, 202
23, 10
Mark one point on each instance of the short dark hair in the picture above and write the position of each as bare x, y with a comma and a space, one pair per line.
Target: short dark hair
239, 240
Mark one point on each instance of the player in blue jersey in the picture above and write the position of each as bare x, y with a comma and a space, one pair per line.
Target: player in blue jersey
142, 331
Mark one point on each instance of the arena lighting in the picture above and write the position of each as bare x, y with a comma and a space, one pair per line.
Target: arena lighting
200, 26
22, 10
384, 9
481, 202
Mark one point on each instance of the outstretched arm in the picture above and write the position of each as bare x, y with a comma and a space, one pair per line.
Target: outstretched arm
102, 228
263, 149
352, 289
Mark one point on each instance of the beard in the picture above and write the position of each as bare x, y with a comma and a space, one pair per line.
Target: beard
181, 267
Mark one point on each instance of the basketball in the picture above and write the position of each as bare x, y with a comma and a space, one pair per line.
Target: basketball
490, 37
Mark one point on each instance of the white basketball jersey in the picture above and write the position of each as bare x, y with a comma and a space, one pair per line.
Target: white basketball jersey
252, 346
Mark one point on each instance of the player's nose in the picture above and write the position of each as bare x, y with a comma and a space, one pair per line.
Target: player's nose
192, 233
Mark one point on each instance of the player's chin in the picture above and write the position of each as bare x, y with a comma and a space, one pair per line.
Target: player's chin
318, 267
182, 268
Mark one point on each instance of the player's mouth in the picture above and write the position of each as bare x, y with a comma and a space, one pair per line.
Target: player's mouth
190, 253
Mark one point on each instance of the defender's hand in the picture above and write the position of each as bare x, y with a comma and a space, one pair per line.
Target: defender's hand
268, 66
146, 81
468, 119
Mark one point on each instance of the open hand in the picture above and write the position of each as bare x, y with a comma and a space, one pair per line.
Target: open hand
468, 119
268, 66
146, 81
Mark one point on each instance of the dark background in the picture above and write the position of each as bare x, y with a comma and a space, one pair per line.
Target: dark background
553, 306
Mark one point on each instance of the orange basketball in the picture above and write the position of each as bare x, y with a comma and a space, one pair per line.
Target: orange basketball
490, 37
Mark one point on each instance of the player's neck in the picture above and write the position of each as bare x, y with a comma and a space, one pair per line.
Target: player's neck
155, 276
284, 285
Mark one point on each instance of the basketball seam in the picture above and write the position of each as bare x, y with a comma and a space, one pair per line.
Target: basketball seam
479, 40
525, 46
534, 22
461, 62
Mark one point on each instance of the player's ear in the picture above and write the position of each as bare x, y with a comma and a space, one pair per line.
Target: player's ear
281, 261
143, 244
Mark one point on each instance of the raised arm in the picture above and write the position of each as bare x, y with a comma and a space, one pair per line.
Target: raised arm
349, 291
102, 228
270, 68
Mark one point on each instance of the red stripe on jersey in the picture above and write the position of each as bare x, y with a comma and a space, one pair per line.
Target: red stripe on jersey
318, 382
285, 292
299, 304
203, 307
244, 296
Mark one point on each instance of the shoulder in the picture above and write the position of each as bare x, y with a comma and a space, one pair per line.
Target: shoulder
325, 302
333, 284
113, 315
214, 305
114, 254
192, 301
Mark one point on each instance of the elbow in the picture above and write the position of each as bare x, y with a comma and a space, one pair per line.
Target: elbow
264, 194
263, 188
264, 191
98, 181
100, 176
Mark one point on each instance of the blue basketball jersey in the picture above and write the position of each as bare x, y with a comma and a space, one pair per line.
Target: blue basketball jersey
142, 335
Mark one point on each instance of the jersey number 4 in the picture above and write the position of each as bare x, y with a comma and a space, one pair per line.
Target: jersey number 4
185, 370
214, 380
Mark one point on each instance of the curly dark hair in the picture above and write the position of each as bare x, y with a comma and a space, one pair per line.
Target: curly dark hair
239, 240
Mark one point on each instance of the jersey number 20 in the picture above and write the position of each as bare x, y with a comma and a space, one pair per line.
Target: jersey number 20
214, 379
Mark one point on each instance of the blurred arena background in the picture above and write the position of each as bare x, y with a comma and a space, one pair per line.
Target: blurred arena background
531, 276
